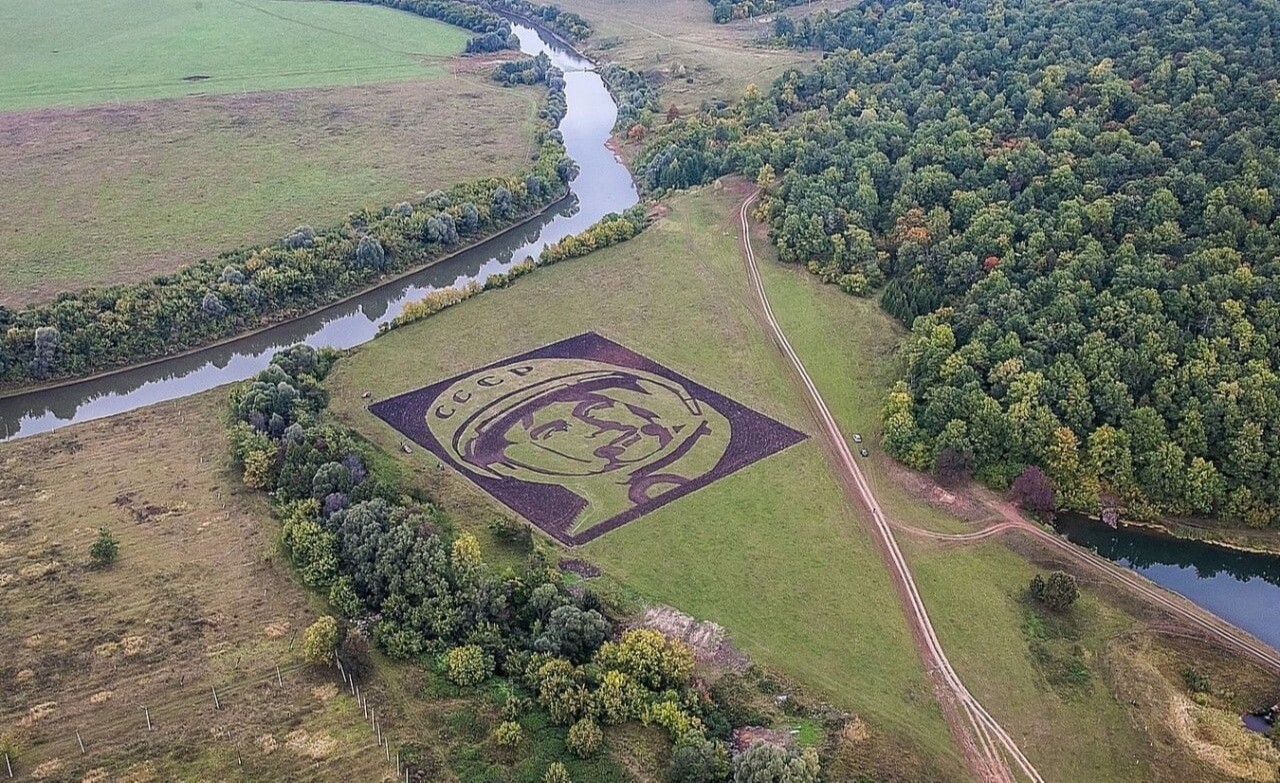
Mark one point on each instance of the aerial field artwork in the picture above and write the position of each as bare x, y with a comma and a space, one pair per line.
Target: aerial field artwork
583, 435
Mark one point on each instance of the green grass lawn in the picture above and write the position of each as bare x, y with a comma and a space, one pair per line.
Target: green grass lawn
79, 52
772, 552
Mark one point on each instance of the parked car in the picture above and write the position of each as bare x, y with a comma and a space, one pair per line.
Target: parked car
857, 437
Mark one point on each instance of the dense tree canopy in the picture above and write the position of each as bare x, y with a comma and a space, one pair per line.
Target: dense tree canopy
1073, 203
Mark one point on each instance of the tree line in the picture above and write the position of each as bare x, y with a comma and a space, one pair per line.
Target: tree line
100, 328
723, 11
398, 572
567, 24
492, 31
635, 94
1073, 204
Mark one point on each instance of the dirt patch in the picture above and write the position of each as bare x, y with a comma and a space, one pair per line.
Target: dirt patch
580, 567
708, 640
325, 692
276, 630
317, 746
746, 736
96, 775
39, 712
954, 501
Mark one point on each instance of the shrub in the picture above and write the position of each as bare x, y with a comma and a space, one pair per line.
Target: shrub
1033, 491
1196, 681
370, 253
1058, 592
585, 738
320, 640
653, 660
765, 762
556, 773
508, 734
104, 549
468, 665
354, 654
699, 761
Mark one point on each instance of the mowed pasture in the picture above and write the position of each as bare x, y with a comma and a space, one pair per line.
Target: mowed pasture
198, 599
676, 43
776, 555
771, 552
108, 51
111, 194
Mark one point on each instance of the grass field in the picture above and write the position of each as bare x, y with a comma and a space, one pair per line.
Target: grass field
199, 599
676, 42
772, 552
81, 52
1091, 731
118, 194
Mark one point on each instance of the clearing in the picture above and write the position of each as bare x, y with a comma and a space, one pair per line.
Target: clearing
772, 552
676, 43
775, 555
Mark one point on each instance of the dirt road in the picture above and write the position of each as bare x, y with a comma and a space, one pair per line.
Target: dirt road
991, 753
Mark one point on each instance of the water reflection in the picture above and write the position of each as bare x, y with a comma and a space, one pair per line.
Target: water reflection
1240, 587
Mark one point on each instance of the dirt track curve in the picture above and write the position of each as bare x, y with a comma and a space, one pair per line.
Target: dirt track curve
987, 747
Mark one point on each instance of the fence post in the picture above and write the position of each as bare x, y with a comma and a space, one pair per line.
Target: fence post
216, 704
279, 681
7, 765
147, 712
80, 741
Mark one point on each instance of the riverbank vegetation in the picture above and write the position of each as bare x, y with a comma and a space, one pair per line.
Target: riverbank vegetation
216, 298
612, 229
566, 24
1087, 256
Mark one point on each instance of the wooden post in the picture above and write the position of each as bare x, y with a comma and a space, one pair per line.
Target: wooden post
217, 705
147, 712
7, 765
80, 741
279, 681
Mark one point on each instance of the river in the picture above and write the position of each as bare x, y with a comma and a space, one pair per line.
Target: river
1243, 589
603, 185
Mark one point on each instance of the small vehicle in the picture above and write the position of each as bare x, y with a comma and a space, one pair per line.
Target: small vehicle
863, 452
857, 437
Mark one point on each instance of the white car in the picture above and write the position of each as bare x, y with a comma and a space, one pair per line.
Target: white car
857, 437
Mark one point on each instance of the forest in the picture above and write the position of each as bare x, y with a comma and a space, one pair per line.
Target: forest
1073, 207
